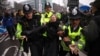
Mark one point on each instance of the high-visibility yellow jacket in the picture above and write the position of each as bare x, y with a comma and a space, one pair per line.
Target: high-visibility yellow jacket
72, 36
46, 17
18, 31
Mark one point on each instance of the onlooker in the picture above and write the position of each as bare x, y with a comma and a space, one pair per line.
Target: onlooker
19, 15
92, 30
8, 23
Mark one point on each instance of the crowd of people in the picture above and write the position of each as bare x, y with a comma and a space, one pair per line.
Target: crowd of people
55, 34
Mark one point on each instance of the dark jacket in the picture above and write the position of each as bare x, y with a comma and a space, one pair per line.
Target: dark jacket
92, 33
52, 29
18, 17
31, 28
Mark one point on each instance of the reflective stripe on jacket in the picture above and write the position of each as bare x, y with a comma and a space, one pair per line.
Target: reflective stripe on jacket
46, 19
18, 30
72, 35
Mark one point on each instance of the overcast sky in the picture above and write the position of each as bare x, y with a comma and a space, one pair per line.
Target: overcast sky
85, 2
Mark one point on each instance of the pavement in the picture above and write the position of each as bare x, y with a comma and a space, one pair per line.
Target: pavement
8, 47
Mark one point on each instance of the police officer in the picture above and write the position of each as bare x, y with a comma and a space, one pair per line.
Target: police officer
47, 14
73, 39
28, 31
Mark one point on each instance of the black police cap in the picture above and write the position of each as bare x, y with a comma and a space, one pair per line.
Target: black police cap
27, 8
75, 14
47, 5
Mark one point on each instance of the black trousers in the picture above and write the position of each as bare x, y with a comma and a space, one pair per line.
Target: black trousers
11, 31
51, 47
26, 46
36, 48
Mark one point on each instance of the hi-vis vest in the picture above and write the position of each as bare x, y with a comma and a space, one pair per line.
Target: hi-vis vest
58, 15
45, 20
18, 31
72, 35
